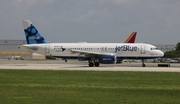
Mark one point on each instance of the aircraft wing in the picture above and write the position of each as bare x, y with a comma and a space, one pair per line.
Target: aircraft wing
90, 53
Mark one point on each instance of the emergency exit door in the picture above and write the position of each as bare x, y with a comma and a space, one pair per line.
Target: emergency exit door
143, 49
47, 48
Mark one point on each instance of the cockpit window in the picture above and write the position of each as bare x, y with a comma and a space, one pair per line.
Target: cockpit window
154, 48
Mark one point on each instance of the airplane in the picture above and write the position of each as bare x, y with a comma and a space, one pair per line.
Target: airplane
94, 53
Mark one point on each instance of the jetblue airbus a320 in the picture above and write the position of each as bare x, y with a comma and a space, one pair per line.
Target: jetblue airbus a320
94, 53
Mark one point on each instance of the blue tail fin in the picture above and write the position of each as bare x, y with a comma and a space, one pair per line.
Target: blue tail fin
32, 34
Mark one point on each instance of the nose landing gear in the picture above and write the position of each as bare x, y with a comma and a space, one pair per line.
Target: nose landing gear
143, 65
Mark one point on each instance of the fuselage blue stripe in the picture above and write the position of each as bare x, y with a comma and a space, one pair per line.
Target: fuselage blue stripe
88, 58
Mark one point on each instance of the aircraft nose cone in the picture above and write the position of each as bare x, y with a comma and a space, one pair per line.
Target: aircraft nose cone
161, 53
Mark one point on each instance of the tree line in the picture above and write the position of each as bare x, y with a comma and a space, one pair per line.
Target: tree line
173, 53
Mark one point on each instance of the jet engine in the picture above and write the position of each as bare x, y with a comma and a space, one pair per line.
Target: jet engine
107, 59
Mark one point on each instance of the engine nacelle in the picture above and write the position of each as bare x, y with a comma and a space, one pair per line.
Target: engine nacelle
107, 59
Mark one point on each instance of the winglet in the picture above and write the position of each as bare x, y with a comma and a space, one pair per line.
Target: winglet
131, 38
32, 34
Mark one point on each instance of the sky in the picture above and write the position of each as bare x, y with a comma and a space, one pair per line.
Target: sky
93, 21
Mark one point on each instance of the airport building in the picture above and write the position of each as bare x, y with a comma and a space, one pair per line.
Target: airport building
9, 49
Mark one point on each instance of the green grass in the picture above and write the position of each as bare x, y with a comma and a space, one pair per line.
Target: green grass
88, 87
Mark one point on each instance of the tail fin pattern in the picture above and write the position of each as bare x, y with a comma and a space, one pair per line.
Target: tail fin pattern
32, 34
131, 38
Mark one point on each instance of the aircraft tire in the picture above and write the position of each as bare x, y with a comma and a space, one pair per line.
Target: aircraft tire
91, 64
96, 64
143, 65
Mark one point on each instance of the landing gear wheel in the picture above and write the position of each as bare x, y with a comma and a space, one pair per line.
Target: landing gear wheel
91, 64
96, 64
143, 65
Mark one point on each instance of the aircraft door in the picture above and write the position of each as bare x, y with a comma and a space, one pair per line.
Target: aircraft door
47, 48
143, 49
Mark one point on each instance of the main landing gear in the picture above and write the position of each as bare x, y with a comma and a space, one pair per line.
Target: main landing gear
94, 62
91, 64
143, 65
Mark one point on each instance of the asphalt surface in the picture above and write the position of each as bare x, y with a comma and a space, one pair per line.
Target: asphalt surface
76, 65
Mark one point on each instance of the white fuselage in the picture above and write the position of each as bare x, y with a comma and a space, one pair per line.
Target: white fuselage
120, 50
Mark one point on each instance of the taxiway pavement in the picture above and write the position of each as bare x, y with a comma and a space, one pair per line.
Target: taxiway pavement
75, 65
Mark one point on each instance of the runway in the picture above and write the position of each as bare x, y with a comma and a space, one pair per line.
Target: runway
75, 65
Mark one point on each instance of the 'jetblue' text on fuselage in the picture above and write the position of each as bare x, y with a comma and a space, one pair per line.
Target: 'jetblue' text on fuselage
125, 48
